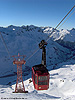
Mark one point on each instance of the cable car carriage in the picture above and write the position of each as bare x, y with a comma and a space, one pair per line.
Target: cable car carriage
40, 77
40, 74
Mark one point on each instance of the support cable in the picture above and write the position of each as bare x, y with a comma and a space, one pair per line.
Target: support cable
59, 24
33, 54
66, 19
5, 45
6, 49
62, 23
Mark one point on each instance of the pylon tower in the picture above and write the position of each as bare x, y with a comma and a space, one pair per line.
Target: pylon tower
19, 61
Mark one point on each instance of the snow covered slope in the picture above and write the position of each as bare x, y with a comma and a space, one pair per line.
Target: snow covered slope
61, 86
60, 54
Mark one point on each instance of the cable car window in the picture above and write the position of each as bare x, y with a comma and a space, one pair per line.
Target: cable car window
42, 83
35, 79
42, 78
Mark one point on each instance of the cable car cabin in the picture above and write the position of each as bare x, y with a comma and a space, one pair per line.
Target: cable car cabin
40, 77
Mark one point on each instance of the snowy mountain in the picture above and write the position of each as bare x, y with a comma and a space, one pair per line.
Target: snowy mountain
65, 38
60, 57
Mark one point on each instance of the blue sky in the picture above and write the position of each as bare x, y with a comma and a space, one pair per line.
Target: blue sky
36, 12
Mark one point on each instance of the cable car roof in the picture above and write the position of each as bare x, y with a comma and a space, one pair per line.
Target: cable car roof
40, 69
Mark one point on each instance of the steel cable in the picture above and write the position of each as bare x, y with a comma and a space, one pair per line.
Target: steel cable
5, 45
59, 24
66, 19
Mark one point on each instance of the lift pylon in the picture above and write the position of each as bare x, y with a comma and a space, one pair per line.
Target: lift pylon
19, 61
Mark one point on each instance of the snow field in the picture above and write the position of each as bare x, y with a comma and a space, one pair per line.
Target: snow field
61, 86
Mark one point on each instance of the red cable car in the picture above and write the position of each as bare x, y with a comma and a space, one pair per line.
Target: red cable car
40, 77
40, 74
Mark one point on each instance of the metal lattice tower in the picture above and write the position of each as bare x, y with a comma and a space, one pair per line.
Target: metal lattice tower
19, 61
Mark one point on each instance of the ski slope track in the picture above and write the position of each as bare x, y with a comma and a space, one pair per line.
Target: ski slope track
60, 62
